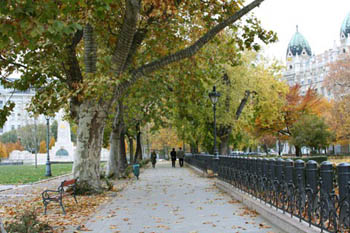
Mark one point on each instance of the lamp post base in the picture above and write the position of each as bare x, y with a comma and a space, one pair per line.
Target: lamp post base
48, 169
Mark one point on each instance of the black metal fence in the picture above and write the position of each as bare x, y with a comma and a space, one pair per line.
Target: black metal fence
316, 193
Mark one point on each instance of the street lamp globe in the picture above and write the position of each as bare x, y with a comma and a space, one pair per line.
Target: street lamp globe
214, 95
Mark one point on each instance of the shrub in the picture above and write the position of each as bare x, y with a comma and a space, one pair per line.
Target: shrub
28, 223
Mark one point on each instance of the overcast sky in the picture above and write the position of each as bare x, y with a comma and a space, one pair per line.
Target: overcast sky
319, 21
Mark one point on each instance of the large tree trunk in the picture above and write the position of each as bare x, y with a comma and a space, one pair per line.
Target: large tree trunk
131, 149
224, 145
138, 154
116, 162
86, 167
194, 148
123, 163
297, 151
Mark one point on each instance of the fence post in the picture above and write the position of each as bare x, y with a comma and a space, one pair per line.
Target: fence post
288, 171
311, 175
343, 170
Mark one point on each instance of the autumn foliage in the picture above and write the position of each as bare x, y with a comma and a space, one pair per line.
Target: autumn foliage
6, 149
42, 148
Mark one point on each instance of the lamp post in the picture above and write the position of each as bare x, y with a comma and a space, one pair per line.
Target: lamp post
35, 143
214, 97
48, 164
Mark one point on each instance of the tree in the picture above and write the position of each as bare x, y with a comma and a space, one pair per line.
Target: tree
310, 131
268, 141
338, 82
338, 77
120, 39
295, 106
26, 135
338, 119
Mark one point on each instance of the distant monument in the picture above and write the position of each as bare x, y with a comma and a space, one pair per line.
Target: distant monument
63, 150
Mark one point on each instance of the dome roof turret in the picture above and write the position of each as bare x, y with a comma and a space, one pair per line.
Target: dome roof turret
298, 44
345, 27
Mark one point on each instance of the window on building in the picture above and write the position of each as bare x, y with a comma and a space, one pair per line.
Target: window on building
290, 67
322, 90
344, 50
12, 127
1, 130
309, 81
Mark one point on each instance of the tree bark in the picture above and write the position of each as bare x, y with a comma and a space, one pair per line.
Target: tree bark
194, 147
117, 156
123, 163
297, 151
224, 145
86, 165
138, 154
131, 149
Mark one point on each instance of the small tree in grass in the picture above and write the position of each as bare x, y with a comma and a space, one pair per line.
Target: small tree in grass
311, 131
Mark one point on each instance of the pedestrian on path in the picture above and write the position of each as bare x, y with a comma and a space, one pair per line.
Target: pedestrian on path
173, 157
153, 158
181, 154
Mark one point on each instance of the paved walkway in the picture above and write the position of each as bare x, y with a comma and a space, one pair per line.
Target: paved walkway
10, 194
175, 200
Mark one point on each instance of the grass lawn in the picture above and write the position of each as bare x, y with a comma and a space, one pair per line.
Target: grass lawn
22, 174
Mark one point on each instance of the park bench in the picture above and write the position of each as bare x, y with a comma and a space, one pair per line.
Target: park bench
67, 187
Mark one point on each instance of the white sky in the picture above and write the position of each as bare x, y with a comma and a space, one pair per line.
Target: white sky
319, 21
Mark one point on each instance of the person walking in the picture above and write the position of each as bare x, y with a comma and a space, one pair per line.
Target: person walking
173, 157
153, 158
181, 155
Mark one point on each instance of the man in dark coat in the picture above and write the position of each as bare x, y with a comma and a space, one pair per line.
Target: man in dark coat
153, 158
181, 154
173, 157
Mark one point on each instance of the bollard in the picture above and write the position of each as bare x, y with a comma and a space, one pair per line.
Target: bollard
275, 165
271, 169
288, 171
343, 170
311, 175
265, 167
326, 173
259, 169
279, 169
299, 179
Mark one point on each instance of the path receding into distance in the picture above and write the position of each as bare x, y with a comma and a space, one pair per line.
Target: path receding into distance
167, 199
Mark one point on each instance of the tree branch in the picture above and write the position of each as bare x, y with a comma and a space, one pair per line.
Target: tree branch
126, 36
187, 52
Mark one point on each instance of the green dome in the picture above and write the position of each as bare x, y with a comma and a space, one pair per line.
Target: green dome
297, 44
345, 27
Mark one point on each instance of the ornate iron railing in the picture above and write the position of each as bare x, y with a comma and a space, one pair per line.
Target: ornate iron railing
317, 194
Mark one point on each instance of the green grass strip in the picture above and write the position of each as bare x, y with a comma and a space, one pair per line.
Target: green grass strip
23, 174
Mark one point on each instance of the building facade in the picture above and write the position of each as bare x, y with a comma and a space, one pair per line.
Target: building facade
19, 116
310, 70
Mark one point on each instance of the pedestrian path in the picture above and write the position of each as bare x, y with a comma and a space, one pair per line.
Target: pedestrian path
174, 200
10, 194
